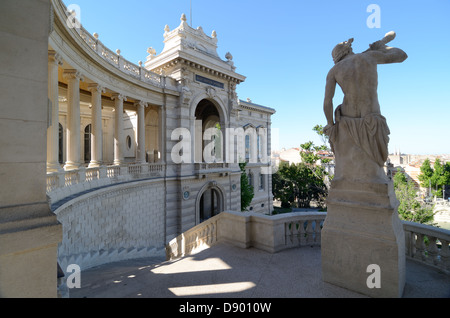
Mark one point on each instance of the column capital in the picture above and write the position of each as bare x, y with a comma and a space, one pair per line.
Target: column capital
96, 87
54, 57
73, 74
141, 103
118, 96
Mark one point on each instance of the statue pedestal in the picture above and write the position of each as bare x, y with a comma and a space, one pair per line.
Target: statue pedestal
362, 228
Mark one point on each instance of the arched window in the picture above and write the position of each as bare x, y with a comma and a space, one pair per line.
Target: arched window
247, 148
87, 143
61, 144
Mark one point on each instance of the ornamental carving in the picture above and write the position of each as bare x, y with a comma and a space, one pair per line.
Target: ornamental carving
211, 92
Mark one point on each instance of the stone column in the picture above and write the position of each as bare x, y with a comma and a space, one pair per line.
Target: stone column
29, 231
73, 120
54, 59
97, 132
118, 128
141, 132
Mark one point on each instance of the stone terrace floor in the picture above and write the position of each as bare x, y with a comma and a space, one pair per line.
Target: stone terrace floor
225, 271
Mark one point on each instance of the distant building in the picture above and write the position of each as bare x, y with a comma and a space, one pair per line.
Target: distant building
290, 156
410, 164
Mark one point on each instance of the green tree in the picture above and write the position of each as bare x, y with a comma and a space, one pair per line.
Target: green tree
282, 188
300, 184
246, 189
426, 172
297, 185
436, 178
410, 209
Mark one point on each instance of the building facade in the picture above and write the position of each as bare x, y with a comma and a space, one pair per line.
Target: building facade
138, 154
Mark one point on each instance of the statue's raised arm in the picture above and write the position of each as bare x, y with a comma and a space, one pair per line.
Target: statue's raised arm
384, 54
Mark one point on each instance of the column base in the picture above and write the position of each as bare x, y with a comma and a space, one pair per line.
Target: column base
94, 164
29, 237
362, 228
54, 167
118, 162
71, 165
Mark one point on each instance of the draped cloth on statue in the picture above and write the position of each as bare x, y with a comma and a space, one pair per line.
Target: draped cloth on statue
370, 133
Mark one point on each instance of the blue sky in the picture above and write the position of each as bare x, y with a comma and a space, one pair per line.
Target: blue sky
283, 47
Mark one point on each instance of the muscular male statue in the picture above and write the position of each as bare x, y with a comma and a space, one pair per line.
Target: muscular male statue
359, 133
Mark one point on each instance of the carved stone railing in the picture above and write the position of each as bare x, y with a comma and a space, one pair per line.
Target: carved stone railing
203, 169
66, 183
428, 244
269, 233
424, 243
114, 58
197, 238
211, 166
117, 60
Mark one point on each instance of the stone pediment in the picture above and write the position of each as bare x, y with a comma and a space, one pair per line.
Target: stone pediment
192, 47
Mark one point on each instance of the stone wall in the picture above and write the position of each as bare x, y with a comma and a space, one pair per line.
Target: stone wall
114, 223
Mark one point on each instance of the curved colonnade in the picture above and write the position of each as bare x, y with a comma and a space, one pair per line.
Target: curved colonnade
111, 178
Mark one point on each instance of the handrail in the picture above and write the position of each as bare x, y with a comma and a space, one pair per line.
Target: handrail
424, 243
66, 183
428, 244
114, 58
270, 233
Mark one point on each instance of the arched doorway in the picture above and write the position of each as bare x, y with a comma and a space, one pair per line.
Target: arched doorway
208, 119
210, 202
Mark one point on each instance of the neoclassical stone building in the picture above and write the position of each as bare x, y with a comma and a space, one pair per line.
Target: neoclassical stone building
138, 154
103, 159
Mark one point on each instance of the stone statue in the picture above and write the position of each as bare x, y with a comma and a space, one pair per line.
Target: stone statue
359, 134
362, 225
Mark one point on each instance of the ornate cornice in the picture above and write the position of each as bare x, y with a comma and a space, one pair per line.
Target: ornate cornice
183, 61
255, 107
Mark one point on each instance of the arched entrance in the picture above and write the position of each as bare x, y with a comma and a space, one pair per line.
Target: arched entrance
208, 119
210, 202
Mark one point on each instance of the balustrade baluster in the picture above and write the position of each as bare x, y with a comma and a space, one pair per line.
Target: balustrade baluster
445, 255
288, 233
309, 232
420, 247
318, 232
432, 251
302, 233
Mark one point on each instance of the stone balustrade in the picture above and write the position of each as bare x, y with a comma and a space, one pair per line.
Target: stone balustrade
424, 243
64, 184
67, 183
194, 239
428, 244
117, 60
248, 229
